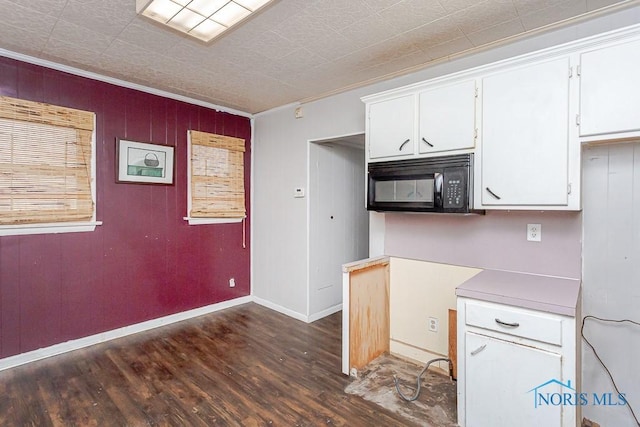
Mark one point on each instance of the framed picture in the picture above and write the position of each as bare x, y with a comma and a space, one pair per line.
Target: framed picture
144, 163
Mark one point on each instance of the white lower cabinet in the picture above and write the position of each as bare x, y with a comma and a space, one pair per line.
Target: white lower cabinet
516, 366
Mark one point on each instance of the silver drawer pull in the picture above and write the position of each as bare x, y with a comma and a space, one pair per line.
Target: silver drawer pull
511, 325
478, 350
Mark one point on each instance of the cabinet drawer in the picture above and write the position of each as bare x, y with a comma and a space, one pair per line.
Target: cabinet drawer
513, 321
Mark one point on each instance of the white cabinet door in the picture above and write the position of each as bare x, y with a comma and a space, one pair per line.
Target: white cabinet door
447, 118
391, 127
502, 380
610, 89
525, 136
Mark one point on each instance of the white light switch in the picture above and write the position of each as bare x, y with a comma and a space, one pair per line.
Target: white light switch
298, 192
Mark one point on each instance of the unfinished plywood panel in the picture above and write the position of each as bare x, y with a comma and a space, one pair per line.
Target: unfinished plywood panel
369, 314
453, 342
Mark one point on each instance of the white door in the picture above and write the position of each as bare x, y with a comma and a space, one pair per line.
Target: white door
525, 135
610, 89
338, 220
502, 379
391, 127
447, 118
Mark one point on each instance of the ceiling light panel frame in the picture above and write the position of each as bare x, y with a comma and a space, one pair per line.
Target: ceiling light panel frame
204, 20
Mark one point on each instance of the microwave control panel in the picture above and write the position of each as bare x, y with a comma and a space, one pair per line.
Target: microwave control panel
454, 189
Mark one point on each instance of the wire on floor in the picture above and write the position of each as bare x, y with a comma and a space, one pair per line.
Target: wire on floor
633, 414
417, 391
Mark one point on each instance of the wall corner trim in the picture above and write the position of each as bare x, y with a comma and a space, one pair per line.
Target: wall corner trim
65, 347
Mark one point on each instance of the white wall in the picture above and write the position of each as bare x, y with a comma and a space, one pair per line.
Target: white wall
279, 249
280, 244
420, 290
611, 276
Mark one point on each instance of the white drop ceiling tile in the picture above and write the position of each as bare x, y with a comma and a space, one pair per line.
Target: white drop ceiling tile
340, 14
148, 36
330, 44
456, 5
380, 53
554, 13
410, 14
275, 14
107, 17
16, 15
16, 38
598, 4
48, 7
66, 32
449, 48
305, 30
119, 53
497, 32
184, 51
525, 7
369, 31
378, 5
401, 64
71, 53
239, 59
273, 46
295, 62
434, 33
484, 15
301, 26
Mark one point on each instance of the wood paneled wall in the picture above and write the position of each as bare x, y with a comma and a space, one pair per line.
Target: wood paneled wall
144, 262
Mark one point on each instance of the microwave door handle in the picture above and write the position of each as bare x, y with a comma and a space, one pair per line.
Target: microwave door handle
438, 180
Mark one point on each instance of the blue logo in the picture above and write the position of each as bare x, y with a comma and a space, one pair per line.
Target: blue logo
568, 396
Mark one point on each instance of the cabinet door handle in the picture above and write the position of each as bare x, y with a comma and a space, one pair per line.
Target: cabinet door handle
403, 144
427, 142
478, 350
510, 325
492, 193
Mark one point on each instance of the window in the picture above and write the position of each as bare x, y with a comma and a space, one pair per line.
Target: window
216, 178
46, 168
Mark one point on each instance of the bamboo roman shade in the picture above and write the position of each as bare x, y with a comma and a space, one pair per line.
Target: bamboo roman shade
45, 163
217, 176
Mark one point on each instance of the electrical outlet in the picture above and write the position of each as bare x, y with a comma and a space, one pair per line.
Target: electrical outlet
232, 283
534, 232
433, 324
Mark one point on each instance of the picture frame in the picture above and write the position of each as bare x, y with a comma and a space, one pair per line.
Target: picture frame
144, 162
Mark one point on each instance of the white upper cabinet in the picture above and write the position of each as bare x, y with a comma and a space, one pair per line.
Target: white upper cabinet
525, 137
447, 118
610, 90
391, 127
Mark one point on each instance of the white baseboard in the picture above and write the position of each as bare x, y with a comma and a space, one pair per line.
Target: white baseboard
299, 316
419, 356
324, 313
42, 353
281, 309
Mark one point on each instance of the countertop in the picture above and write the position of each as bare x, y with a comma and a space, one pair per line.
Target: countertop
545, 293
364, 263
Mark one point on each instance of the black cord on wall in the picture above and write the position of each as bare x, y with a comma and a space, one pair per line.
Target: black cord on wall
600, 360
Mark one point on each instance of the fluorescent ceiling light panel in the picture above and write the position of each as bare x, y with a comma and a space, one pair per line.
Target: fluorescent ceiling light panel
203, 19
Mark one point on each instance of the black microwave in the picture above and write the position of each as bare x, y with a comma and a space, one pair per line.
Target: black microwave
441, 184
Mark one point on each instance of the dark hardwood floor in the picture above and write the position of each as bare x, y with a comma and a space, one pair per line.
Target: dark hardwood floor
244, 366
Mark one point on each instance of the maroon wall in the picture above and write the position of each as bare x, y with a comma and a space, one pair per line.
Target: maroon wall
145, 261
